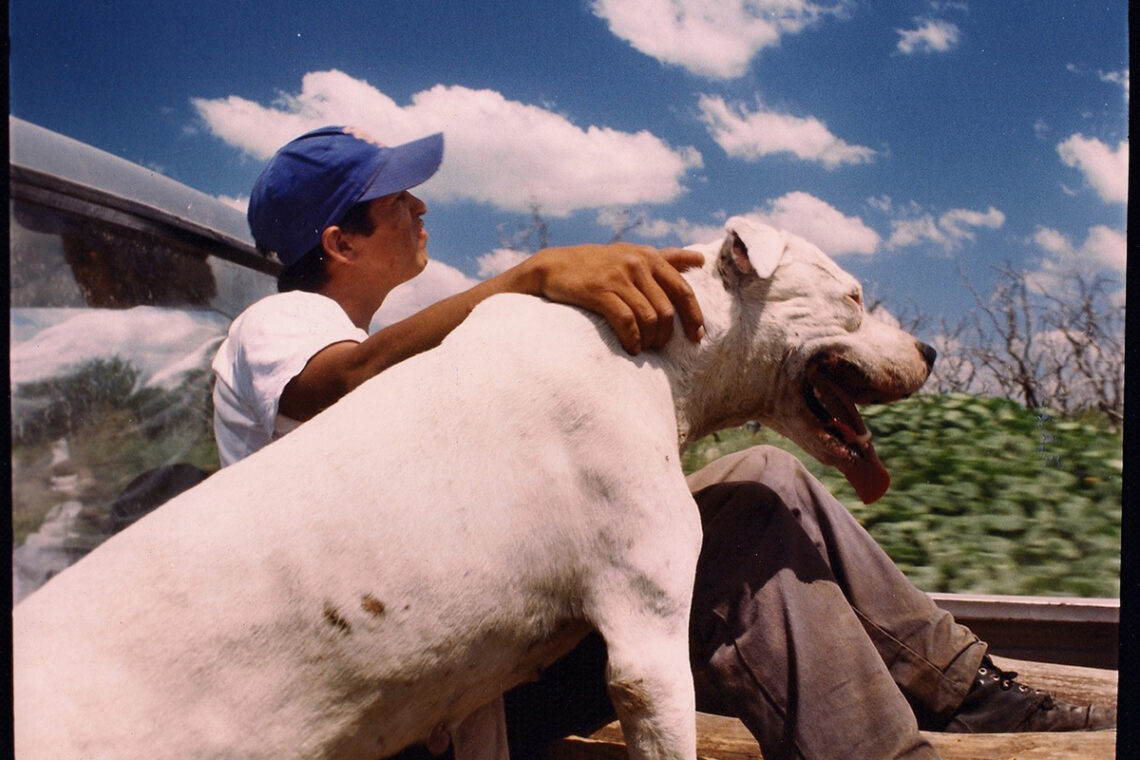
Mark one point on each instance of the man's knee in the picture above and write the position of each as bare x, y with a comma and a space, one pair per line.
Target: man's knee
759, 464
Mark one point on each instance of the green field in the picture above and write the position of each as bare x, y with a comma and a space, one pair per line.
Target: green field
986, 496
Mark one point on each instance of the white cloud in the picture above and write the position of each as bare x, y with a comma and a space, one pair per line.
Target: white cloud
820, 223
500, 260
930, 36
909, 232
1120, 78
751, 135
949, 231
1106, 246
711, 39
1052, 241
241, 204
498, 151
881, 202
1104, 249
687, 232
437, 281
950, 5
958, 222
798, 212
1117, 77
162, 344
1103, 167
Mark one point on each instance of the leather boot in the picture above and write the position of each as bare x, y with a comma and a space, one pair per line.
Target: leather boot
997, 703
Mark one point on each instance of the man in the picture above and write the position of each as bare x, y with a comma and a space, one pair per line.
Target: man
801, 626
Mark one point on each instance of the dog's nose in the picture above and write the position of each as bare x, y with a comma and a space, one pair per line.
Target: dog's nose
928, 353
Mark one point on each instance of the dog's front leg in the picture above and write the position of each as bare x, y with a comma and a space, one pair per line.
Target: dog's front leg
651, 685
639, 600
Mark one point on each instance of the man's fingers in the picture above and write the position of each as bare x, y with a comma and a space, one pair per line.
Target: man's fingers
682, 258
622, 320
677, 290
654, 307
655, 293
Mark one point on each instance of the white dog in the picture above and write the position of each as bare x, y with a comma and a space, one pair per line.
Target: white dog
451, 528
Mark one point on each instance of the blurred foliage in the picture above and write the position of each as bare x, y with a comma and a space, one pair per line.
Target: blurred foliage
114, 431
50, 409
986, 496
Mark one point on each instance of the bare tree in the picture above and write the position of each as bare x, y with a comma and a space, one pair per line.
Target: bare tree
530, 237
955, 371
1060, 347
1086, 365
625, 221
1011, 358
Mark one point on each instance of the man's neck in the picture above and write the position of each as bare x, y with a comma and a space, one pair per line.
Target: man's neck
358, 306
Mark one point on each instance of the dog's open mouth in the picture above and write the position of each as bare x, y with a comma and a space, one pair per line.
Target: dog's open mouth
831, 389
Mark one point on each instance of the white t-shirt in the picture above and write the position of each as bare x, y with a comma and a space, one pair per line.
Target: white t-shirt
267, 346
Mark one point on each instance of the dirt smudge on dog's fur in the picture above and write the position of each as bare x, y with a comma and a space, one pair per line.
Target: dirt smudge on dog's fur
372, 605
334, 618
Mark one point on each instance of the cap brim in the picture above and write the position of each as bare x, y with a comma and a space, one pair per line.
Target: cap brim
408, 165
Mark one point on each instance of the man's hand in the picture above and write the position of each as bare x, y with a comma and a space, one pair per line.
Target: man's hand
636, 288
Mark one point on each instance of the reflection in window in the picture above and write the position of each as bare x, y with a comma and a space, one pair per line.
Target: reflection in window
112, 267
112, 332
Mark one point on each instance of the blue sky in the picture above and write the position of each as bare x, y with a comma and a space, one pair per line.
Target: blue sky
910, 139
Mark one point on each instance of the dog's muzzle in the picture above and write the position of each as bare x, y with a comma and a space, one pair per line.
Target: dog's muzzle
833, 388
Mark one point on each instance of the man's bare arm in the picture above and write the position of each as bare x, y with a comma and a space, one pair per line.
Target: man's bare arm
639, 290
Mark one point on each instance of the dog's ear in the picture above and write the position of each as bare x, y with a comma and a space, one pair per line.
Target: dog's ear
732, 263
752, 248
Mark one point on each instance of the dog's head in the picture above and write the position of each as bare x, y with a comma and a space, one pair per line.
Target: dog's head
807, 349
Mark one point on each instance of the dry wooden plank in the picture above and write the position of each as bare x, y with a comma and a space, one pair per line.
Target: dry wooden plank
1086, 745
721, 738
1091, 745
1067, 682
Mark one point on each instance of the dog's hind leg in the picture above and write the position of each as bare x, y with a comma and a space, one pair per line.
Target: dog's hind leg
482, 735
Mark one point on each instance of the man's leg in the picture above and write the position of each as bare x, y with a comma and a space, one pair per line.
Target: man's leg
776, 643
939, 665
932, 659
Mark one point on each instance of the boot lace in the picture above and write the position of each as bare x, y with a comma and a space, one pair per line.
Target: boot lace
1008, 680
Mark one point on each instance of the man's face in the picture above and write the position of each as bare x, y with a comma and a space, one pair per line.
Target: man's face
397, 246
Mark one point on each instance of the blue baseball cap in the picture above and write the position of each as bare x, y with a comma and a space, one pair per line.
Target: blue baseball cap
314, 180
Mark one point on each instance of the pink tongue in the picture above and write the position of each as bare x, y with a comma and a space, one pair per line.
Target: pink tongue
868, 476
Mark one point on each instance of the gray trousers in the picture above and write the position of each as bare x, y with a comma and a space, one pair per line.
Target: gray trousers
801, 627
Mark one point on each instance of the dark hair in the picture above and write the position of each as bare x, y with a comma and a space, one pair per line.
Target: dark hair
308, 273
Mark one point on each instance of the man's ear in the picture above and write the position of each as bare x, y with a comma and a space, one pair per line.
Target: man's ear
755, 248
338, 246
